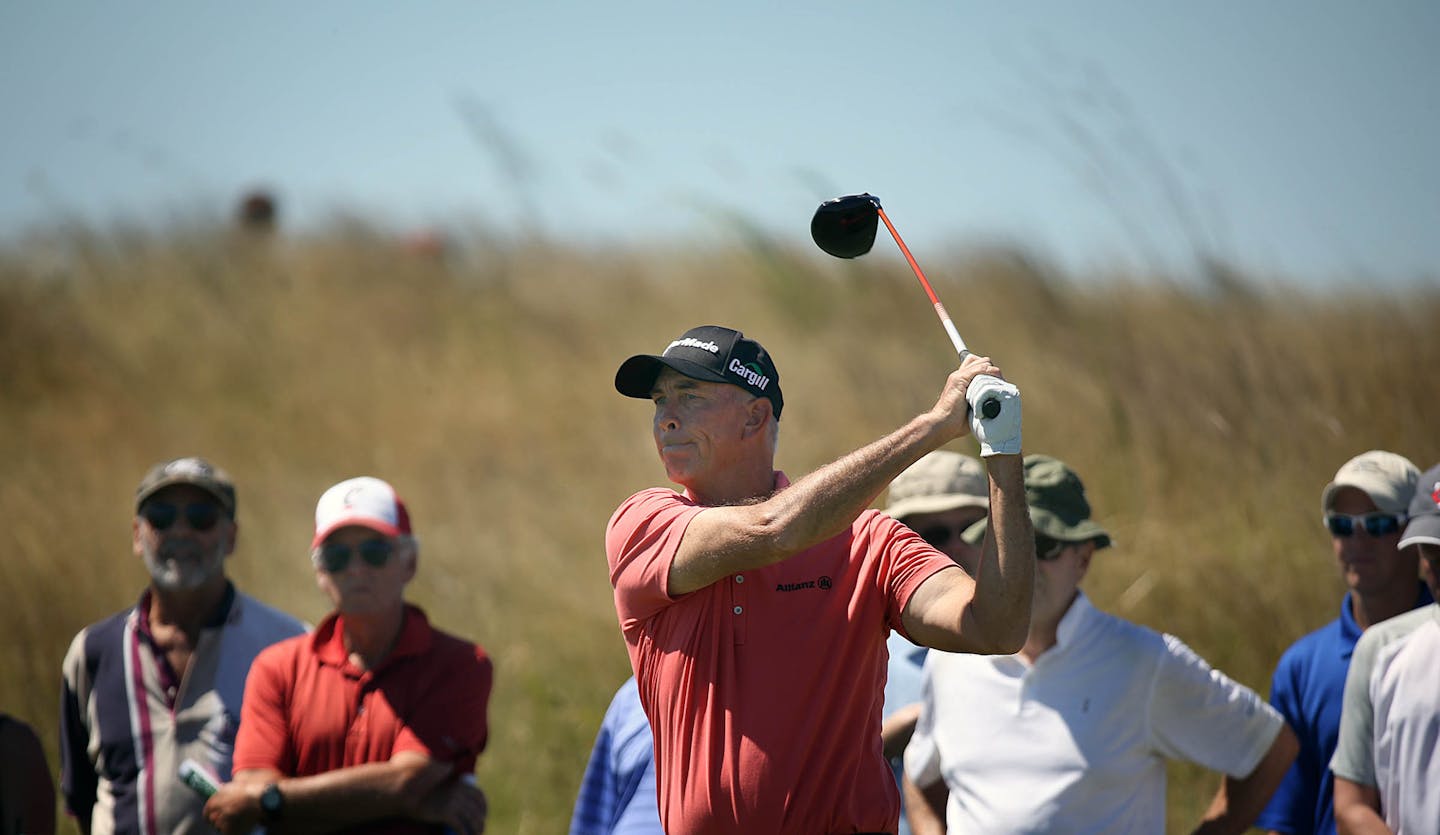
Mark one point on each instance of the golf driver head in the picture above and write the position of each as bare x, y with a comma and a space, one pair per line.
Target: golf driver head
845, 227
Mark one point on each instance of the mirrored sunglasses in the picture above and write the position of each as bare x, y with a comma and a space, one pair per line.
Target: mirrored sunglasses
335, 556
1344, 525
200, 516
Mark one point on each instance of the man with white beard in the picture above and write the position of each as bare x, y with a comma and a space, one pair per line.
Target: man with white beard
161, 682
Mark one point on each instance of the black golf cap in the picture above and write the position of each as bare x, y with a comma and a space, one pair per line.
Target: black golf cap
710, 352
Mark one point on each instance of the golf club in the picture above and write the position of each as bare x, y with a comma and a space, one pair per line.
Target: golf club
845, 228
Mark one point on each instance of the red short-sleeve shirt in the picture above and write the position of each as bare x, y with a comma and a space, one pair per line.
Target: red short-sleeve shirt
308, 710
764, 689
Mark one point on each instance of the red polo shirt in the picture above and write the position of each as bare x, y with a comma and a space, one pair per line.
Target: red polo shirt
308, 710
764, 689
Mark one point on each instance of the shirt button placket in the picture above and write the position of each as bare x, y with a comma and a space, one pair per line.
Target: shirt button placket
737, 597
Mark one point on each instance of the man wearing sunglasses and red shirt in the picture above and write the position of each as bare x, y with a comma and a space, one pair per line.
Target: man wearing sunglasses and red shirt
374, 722
1363, 509
161, 682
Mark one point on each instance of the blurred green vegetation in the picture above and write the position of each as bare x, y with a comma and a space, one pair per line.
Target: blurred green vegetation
1205, 418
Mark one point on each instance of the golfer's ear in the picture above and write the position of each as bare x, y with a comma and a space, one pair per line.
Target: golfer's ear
758, 414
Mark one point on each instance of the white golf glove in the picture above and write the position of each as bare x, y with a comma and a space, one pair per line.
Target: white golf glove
999, 435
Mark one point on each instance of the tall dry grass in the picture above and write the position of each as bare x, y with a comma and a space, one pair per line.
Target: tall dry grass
1204, 419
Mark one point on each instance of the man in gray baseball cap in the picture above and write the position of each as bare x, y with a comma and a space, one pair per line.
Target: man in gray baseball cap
161, 682
1074, 730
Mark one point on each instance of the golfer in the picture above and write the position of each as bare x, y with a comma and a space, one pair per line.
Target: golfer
756, 610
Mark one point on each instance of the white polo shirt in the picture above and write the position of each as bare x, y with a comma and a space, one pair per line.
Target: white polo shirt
1078, 742
1391, 719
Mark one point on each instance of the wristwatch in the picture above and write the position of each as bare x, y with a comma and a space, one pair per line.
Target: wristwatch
272, 802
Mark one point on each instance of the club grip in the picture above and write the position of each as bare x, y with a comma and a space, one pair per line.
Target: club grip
990, 406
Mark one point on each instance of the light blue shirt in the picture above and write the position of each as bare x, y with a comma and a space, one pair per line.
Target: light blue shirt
902, 687
618, 793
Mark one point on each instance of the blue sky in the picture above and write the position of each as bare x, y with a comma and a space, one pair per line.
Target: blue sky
1292, 138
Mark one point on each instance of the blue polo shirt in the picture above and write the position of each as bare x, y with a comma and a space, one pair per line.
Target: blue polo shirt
1308, 689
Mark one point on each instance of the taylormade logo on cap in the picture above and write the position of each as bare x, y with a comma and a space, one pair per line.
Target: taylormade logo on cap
750, 375
687, 342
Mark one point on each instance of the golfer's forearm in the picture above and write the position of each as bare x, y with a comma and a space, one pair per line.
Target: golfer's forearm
731, 539
825, 502
1005, 581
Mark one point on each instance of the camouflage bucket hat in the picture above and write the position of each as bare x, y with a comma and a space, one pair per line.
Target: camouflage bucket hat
1058, 507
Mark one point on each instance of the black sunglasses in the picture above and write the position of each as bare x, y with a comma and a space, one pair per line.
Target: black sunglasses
200, 516
334, 556
1343, 525
939, 535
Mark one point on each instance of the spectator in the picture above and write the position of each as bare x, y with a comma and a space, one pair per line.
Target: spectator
938, 497
756, 610
372, 723
617, 794
161, 682
1072, 733
1363, 511
27, 795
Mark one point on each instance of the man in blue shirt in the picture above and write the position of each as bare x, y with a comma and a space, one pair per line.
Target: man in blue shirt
617, 794
1364, 511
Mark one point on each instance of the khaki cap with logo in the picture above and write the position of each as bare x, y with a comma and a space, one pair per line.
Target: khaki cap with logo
940, 481
1387, 478
1058, 507
196, 472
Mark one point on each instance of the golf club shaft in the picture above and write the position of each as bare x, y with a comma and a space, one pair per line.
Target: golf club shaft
991, 407
929, 291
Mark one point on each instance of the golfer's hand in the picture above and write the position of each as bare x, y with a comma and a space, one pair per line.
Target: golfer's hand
235, 808
952, 407
1000, 434
458, 804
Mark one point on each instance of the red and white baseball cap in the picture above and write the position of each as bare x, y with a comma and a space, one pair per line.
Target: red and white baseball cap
364, 501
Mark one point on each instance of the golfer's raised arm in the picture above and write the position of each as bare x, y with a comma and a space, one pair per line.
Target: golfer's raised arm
735, 537
989, 614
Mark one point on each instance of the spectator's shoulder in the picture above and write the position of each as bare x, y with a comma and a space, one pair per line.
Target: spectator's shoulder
283, 654
458, 651
264, 618
1303, 652
95, 640
1387, 632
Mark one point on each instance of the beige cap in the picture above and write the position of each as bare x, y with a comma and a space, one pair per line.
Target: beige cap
1388, 479
940, 481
